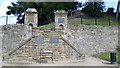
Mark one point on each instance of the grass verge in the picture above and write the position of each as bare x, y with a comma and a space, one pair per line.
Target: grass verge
106, 56
51, 25
91, 21
103, 21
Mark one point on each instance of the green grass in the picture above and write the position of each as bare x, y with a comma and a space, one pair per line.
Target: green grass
104, 21
51, 25
74, 22
100, 21
106, 56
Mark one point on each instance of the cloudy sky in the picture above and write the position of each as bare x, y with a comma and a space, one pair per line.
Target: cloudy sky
3, 10
5, 3
3, 6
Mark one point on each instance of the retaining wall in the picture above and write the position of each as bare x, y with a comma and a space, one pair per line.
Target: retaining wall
89, 39
12, 36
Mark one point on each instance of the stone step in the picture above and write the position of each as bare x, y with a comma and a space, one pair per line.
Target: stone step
31, 51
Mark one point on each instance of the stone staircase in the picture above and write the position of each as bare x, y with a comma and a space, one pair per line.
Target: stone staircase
30, 52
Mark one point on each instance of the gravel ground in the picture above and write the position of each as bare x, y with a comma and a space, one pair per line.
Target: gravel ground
88, 61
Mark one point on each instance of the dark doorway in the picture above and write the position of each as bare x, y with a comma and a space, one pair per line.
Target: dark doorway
61, 26
30, 26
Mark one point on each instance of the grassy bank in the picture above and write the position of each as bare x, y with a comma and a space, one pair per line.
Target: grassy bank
104, 21
51, 25
106, 56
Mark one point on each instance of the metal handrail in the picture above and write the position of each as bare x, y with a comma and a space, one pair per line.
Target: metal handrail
71, 46
21, 45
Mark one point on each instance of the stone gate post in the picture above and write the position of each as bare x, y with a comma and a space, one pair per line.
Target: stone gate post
61, 19
31, 17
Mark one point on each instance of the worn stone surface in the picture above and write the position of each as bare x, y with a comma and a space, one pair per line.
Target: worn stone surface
60, 20
31, 17
93, 39
86, 39
1, 37
13, 36
30, 52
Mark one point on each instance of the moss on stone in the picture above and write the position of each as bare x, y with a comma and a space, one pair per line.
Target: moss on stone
61, 11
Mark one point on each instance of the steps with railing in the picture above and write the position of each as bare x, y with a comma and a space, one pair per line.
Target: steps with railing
29, 51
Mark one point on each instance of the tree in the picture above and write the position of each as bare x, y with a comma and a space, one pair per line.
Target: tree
93, 8
45, 9
110, 10
118, 11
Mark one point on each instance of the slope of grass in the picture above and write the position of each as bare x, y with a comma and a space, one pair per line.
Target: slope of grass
104, 21
100, 21
106, 56
51, 25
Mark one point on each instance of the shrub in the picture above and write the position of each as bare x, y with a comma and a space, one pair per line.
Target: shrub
118, 48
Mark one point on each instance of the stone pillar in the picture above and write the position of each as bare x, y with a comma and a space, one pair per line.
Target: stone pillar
31, 17
61, 19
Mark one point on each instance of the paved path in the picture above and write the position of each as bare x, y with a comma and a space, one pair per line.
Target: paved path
88, 61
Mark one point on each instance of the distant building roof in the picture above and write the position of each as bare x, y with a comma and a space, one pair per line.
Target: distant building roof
31, 10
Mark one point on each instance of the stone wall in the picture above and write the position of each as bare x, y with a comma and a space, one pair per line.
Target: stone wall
1, 35
62, 51
89, 39
13, 36
30, 52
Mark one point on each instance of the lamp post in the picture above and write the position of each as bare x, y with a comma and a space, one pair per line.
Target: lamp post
6, 19
7, 13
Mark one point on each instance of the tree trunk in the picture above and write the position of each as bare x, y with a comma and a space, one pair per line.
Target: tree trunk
39, 16
109, 21
95, 20
118, 12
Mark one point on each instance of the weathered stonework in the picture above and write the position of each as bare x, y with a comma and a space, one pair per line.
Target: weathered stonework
13, 36
86, 39
30, 52
61, 19
31, 17
1, 37
92, 39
